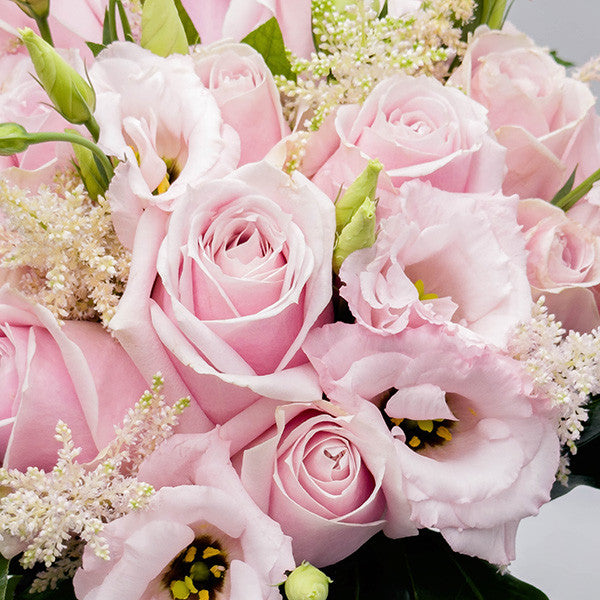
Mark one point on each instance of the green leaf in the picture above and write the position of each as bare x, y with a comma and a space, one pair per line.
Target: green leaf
106, 34
193, 37
496, 16
268, 41
124, 22
384, 10
565, 189
561, 61
95, 48
4, 562
421, 568
569, 200
162, 29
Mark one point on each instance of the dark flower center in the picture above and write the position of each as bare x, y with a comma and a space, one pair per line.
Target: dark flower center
198, 572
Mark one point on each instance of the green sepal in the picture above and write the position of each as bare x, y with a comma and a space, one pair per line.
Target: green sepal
561, 61
162, 29
565, 189
568, 200
95, 179
364, 186
95, 48
267, 40
191, 33
359, 233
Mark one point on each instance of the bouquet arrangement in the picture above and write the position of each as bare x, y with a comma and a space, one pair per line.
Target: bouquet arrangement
292, 292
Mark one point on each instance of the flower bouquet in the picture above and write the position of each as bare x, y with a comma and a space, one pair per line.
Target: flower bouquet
297, 298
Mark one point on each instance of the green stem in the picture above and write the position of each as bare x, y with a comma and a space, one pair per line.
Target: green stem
93, 127
73, 138
46, 35
569, 200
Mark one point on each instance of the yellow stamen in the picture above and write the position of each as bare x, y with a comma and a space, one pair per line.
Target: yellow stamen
179, 590
444, 433
190, 585
472, 411
421, 289
203, 595
190, 554
217, 570
414, 442
209, 552
163, 186
396, 421
425, 426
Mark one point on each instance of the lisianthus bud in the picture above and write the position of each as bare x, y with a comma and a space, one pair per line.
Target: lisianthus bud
71, 95
359, 233
13, 139
36, 9
162, 29
307, 583
365, 186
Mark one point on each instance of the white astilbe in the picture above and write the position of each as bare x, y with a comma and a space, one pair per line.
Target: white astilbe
590, 71
62, 248
565, 368
357, 50
46, 514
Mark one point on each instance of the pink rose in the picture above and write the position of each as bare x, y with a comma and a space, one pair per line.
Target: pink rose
157, 117
562, 253
219, 19
227, 297
243, 87
206, 529
476, 451
466, 253
418, 129
329, 478
77, 373
546, 120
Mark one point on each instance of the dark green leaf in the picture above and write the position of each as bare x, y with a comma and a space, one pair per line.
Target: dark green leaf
565, 189
561, 61
268, 41
11, 586
193, 37
3, 577
384, 10
95, 48
421, 568
569, 199
112, 21
106, 37
128, 36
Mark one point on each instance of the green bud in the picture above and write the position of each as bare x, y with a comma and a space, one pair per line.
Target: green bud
13, 139
162, 29
71, 95
94, 178
359, 233
365, 186
36, 9
307, 583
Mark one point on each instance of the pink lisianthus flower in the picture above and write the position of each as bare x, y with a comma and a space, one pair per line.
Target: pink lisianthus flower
221, 296
157, 117
220, 19
243, 87
417, 128
329, 477
76, 373
442, 257
546, 120
476, 451
201, 531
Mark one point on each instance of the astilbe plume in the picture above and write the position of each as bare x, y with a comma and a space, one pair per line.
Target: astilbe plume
565, 368
63, 248
357, 50
51, 516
